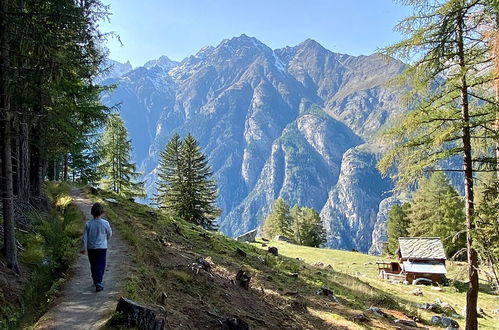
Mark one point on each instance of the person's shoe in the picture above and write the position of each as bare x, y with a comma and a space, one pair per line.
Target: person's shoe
98, 287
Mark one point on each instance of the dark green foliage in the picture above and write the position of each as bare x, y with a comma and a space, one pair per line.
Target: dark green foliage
437, 210
487, 231
307, 226
301, 224
185, 187
279, 221
118, 173
170, 179
397, 226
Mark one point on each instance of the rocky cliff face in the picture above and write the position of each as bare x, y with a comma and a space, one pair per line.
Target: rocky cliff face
294, 122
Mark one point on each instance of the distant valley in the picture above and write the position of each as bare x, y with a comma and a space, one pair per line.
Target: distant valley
297, 122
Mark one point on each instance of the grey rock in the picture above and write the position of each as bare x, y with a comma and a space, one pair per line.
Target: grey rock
377, 311
417, 292
444, 321
449, 322
447, 308
435, 320
407, 323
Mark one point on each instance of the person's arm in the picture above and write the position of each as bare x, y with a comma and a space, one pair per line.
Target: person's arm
84, 239
109, 231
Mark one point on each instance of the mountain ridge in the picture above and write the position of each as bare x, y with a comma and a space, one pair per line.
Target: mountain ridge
261, 116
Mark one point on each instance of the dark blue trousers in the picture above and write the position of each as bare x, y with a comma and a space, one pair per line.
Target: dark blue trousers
97, 258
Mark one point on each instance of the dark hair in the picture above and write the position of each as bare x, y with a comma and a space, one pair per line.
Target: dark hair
97, 209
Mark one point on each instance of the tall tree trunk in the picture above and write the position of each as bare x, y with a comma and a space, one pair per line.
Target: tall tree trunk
15, 157
35, 166
472, 294
9, 248
65, 170
36, 155
24, 162
496, 85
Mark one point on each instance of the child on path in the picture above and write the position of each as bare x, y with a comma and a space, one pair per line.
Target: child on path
95, 236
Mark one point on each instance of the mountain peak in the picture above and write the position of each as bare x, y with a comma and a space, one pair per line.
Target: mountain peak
163, 62
243, 40
311, 43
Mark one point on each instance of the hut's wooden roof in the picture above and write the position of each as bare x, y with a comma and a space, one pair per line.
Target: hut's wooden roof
425, 248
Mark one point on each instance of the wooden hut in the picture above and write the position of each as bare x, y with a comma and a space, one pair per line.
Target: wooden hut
420, 259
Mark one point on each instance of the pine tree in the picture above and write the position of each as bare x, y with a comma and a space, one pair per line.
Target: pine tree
279, 221
397, 226
437, 210
118, 173
184, 184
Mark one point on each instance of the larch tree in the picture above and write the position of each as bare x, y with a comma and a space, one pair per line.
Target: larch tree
279, 221
311, 228
449, 67
118, 172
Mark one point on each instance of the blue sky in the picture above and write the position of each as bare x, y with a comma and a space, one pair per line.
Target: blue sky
151, 28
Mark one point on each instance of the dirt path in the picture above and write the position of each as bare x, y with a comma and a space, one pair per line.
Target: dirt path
79, 306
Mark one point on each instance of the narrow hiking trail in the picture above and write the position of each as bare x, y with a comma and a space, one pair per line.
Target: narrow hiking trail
79, 306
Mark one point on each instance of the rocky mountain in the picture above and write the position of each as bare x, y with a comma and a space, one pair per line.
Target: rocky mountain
296, 122
114, 69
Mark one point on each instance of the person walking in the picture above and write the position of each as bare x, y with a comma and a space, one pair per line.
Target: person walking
95, 236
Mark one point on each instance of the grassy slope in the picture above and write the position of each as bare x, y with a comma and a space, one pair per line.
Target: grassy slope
364, 268
47, 253
163, 262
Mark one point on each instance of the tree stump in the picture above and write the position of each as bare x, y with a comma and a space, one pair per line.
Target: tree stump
241, 253
243, 279
235, 324
143, 318
273, 250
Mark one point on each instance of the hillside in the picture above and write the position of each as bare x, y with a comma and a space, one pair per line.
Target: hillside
283, 290
296, 122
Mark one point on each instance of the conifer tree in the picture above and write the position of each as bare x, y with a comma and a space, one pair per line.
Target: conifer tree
50, 52
449, 74
118, 173
279, 221
184, 183
312, 230
199, 190
487, 233
437, 210
296, 214
169, 182
397, 226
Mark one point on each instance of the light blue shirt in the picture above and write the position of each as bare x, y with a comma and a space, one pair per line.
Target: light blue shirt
96, 234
